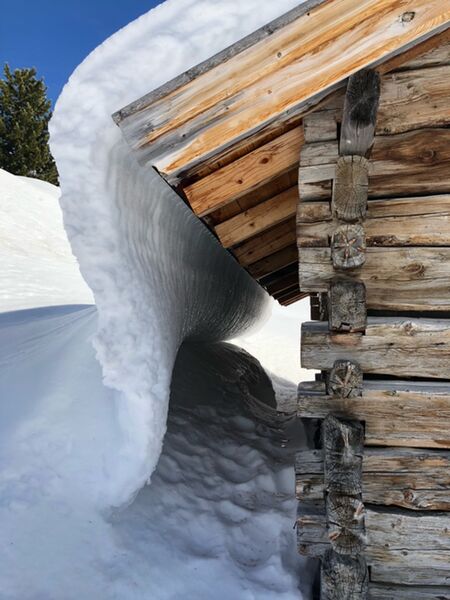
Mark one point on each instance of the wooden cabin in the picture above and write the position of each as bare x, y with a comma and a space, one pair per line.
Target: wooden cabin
317, 150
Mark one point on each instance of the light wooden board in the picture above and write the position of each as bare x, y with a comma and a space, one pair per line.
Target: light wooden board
245, 174
259, 218
413, 479
410, 278
393, 346
273, 79
266, 243
420, 221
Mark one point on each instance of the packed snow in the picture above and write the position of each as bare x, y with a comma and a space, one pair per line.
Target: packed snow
85, 418
38, 267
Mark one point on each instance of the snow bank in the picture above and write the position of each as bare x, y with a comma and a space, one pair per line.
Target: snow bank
221, 505
38, 267
157, 275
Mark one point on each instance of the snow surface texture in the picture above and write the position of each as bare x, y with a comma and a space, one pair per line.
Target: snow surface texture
217, 519
37, 264
157, 275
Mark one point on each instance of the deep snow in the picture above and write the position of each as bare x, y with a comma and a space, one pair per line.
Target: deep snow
76, 519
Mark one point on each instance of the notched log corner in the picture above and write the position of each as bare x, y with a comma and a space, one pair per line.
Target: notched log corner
347, 307
350, 188
343, 451
348, 247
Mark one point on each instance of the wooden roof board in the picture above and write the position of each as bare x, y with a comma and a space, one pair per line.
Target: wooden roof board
271, 76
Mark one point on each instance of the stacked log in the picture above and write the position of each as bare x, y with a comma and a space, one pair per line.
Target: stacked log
374, 245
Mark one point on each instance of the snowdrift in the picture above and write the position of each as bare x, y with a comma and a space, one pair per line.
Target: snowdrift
158, 276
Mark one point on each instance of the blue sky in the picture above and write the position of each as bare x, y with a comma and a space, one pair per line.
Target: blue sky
55, 35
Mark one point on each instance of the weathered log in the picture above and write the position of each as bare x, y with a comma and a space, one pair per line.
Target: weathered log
383, 573
347, 310
406, 164
421, 221
410, 417
345, 380
360, 113
319, 306
393, 346
343, 577
395, 278
397, 539
379, 591
348, 247
345, 521
343, 443
412, 479
350, 189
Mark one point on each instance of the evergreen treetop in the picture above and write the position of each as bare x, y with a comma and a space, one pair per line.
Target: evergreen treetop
24, 115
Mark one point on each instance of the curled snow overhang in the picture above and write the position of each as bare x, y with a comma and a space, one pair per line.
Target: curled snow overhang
227, 134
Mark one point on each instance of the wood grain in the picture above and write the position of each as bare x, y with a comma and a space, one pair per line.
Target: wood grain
394, 415
198, 119
408, 478
407, 279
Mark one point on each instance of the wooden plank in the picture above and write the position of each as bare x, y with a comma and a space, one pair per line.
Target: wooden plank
360, 113
420, 221
424, 576
203, 115
266, 243
406, 164
245, 174
411, 278
394, 415
343, 577
400, 539
435, 51
394, 346
259, 218
379, 591
274, 262
402, 477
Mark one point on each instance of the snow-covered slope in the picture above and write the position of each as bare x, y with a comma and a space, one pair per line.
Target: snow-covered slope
37, 264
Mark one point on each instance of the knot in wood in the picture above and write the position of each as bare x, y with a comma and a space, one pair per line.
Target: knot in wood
408, 16
348, 247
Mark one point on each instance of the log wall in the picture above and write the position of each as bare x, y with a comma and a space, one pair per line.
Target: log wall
373, 234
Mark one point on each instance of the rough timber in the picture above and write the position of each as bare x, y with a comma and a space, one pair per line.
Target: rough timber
317, 150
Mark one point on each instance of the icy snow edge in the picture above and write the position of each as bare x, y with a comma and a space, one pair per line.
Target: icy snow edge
158, 276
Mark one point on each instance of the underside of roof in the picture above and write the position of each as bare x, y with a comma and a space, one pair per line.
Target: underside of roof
227, 134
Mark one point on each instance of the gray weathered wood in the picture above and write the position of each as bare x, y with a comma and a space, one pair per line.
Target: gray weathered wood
345, 380
379, 591
403, 477
350, 189
400, 539
413, 418
348, 247
343, 443
343, 577
360, 113
347, 308
394, 346
383, 573
345, 521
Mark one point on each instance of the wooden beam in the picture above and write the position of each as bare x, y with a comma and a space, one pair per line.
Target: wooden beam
343, 577
350, 189
395, 414
203, 114
383, 574
405, 279
245, 174
420, 221
259, 218
266, 243
274, 262
380, 591
402, 539
360, 113
406, 164
347, 307
394, 346
403, 477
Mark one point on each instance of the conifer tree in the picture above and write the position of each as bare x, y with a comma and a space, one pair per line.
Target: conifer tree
24, 116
